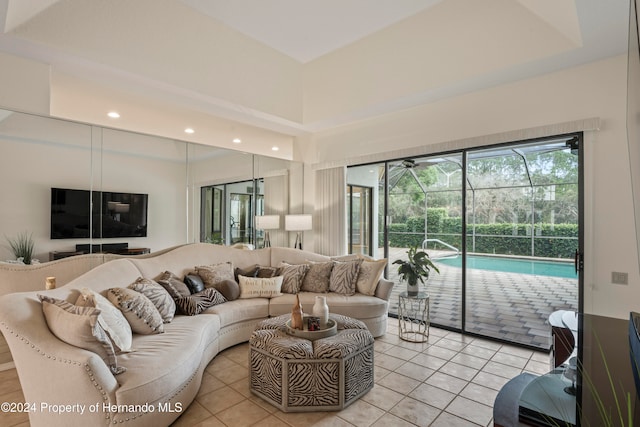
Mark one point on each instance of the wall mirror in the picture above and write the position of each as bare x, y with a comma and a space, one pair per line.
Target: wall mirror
179, 192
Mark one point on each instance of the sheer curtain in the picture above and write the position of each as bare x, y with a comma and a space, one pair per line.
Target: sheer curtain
276, 202
330, 216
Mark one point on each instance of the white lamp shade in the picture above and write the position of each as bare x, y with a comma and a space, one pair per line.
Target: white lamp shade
268, 222
297, 222
122, 207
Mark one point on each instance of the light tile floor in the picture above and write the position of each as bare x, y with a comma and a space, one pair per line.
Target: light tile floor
451, 380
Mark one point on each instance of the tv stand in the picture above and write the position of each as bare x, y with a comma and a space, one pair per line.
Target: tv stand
111, 248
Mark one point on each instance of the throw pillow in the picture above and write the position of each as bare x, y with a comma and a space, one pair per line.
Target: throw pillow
173, 285
344, 276
292, 276
317, 277
110, 318
256, 287
79, 326
247, 272
158, 295
139, 311
229, 289
214, 274
197, 303
265, 272
194, 283
369, 275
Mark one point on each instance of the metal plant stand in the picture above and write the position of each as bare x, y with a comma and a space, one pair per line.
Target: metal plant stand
413, 317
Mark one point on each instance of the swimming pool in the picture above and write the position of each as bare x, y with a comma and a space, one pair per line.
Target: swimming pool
514, 265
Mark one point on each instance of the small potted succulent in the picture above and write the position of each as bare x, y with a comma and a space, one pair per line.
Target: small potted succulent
416, 267
22, 247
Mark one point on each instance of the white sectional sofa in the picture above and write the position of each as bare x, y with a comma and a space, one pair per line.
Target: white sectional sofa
164, 372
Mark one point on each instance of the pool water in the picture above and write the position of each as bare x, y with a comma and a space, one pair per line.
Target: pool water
514, 265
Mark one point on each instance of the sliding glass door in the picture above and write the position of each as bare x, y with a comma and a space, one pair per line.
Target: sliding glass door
501, 223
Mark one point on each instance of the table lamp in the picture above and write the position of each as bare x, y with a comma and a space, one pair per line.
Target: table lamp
266, 223
298, 223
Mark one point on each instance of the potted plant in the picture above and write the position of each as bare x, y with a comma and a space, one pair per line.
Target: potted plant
22, 247
418, 266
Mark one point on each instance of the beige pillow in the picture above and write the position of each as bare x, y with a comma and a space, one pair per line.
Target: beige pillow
292, 276
158, 295
317, 277
110, 318
79, 326
256, 287
344, 276
369, 275
213, 274
139, 311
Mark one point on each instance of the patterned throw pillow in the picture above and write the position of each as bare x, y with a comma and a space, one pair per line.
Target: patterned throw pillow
173, 285
344, 276
292, 276
197, 303
158, 295
110, 318
214, 274
317, 277
247, 272
139, 311
257, 287
369, 275
79, 326
265, 272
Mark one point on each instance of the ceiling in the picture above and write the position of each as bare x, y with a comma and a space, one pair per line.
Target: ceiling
269, 71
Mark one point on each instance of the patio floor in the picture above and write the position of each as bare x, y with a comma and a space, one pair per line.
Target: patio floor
508, 306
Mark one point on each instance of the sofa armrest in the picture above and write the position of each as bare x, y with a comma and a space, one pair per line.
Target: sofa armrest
384, 288
51, 371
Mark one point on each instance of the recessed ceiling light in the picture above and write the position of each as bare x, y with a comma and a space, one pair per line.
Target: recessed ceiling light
274, 148
189, 130
113, 114
237, 140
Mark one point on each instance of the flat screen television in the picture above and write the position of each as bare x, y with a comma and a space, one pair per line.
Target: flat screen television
107, 214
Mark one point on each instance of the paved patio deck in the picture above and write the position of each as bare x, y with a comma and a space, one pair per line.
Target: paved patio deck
509, 306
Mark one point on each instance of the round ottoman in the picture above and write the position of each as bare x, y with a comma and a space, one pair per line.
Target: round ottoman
299, 375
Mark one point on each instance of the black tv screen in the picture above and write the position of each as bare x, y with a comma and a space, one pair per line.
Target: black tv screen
113, 215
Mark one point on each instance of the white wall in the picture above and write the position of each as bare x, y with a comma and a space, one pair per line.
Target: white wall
593, 90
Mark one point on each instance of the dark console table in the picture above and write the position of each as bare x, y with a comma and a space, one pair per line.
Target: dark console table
126, 251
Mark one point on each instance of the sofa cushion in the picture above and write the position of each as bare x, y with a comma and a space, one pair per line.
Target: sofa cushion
216, 273
110, 318
357, 306
266, 271
317, 277
256, 287
250, 271
197, 303
292, 276
158, 295
344, 276
139, 311
164, 364
240, 310
79, 326
176, 287
369, 275
230, 289
194, 283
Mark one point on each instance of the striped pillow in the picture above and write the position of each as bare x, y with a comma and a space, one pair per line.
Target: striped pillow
197, 303
158, 295
344, 277
292, 276
139, 311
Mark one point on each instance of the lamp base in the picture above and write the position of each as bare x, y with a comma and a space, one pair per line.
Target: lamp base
267, 240
298, 244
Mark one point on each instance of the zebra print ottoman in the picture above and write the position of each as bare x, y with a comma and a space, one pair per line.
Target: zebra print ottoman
299, 375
